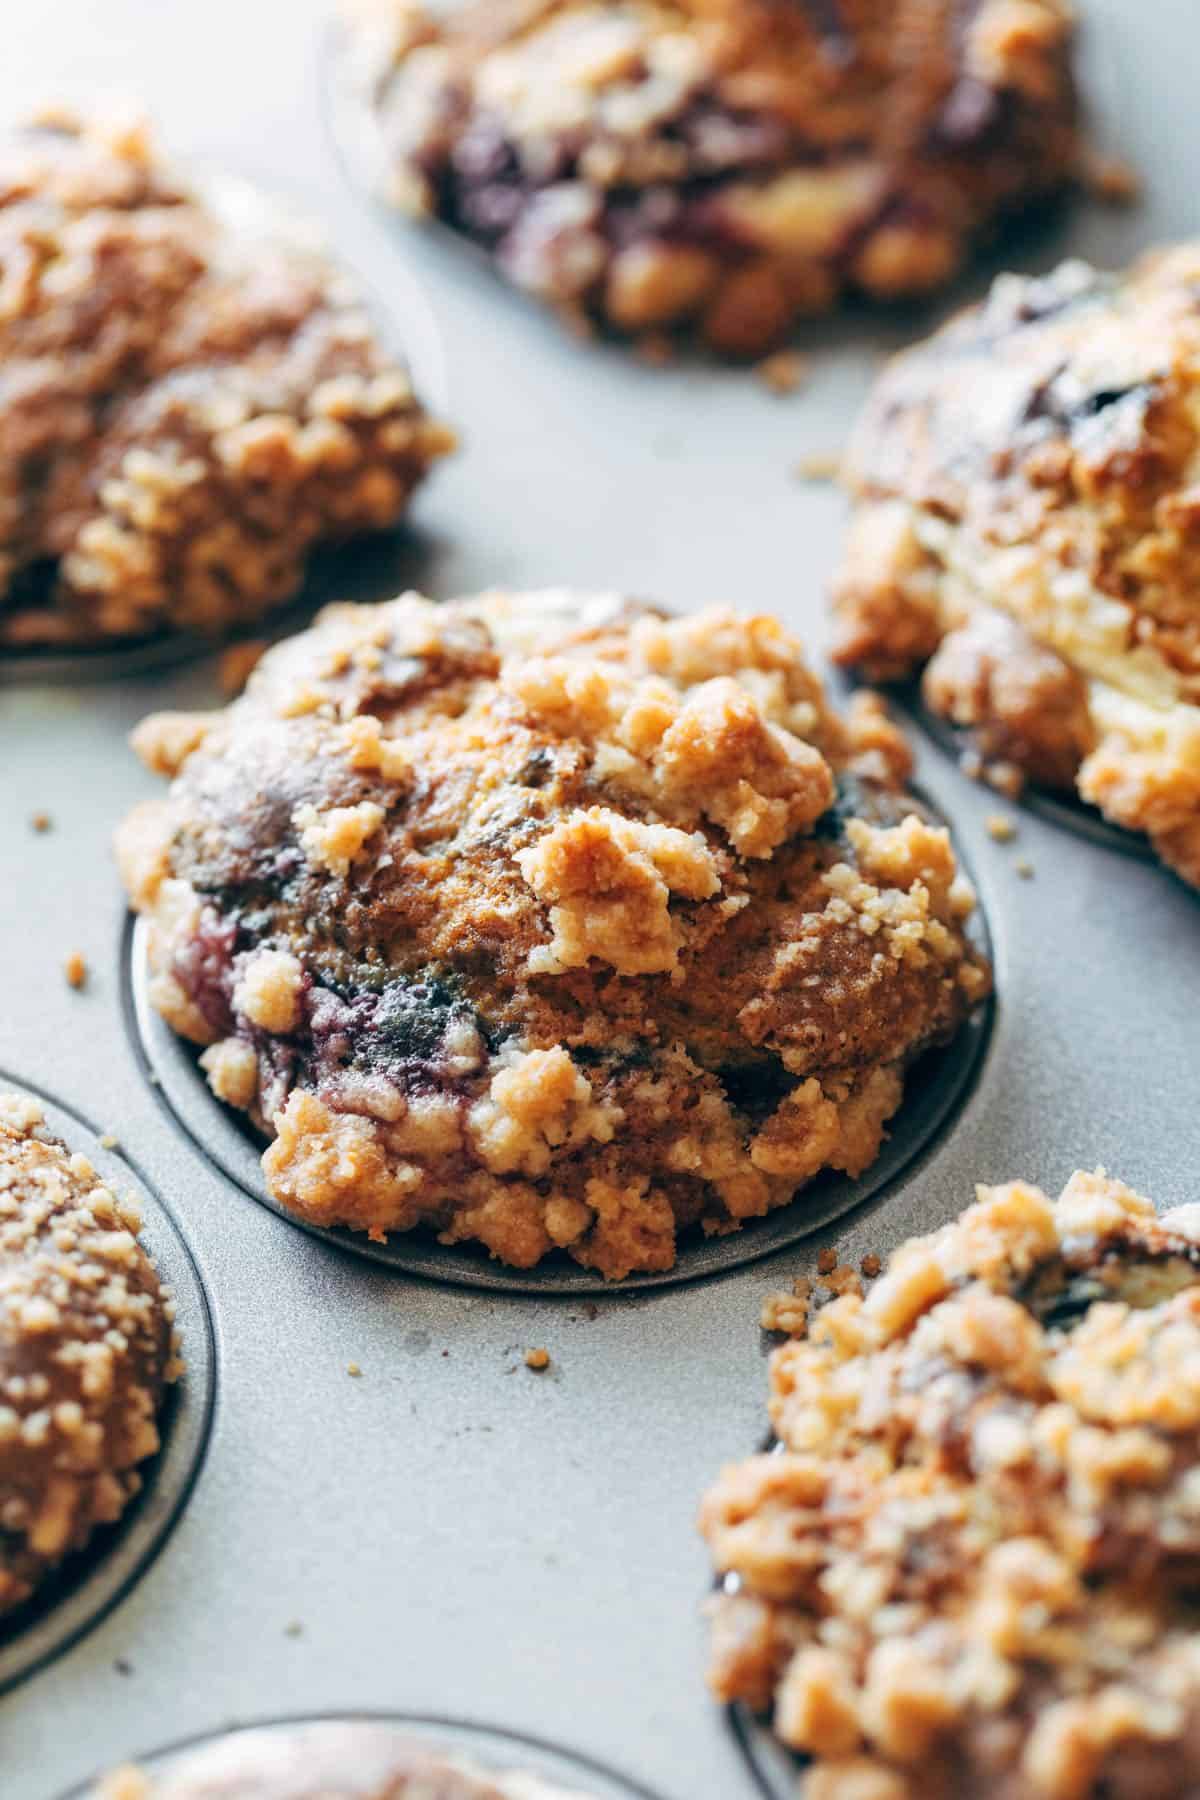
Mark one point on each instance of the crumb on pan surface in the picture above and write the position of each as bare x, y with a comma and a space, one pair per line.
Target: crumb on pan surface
1027, 529
972, 1565
189, 406
86, 1347
547, 921
329, 1760
725, 165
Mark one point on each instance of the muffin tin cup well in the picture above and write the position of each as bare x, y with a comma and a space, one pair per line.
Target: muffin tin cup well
373, 567
496, 1751
937, 1085
92, 1581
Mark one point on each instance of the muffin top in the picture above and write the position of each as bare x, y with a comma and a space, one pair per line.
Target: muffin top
570, 922
734, 163
86, 1346
192, 396
970, 1567
330, 1760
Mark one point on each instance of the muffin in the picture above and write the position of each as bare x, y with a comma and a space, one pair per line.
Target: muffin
86, 1350
1027, 527
725, 165
547, 921
190, 404
327, 1761
973, 1564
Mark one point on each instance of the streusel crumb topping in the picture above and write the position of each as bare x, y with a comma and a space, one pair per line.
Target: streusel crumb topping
549, 922
971, 1564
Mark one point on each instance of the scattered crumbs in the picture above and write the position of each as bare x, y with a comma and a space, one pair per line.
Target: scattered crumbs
122, 1667
654, 348
41, 821
237, 664
784, 372
785, 1312
537, 1359
843, 1280
819, 465
293, 1629
1001, 827
109, 1141
827, 1262
353, 1369
1112, 179
75, 969
1024, 869
870, 1265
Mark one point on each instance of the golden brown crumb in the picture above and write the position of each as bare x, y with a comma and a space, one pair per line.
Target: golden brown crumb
238, 663
1001, 827
353, 1369
783, 373
537, 1359
593, 870
41, 821
870, 1265
86, 1347
969, 1566
826, 1261
785, 1312
76, 970
819, 466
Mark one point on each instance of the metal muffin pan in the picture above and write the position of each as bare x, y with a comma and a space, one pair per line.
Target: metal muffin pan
501, 1752
449, 1534
92, 1581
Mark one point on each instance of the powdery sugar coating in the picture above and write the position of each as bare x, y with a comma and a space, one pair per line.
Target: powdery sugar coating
1028, 516
86, 1346
728, 164
548, 922
327, 1761
972, 1567
187, 409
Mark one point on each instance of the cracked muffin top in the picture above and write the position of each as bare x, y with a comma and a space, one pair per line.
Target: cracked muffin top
548, 921
1027, 489
332, 1760
86, 1347
189, 402
726, 164
973, 1564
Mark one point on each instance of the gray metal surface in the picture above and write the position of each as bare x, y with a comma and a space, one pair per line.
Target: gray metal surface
452, 1534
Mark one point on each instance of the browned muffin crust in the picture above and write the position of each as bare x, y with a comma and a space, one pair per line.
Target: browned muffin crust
729, 165
548, 922
86, 1346
327, 1761
973, 1566
1027, 490
188, 407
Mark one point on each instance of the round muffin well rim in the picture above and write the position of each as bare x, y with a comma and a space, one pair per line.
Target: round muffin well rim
92, 1581
500, 1751
937, 1087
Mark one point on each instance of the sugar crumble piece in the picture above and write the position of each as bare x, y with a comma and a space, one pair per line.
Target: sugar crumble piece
41, 822
537, 1359
353, 1369
783, 373
109, 1141
819, 466
870, 1265
826, 1262
76, 970
1001, 827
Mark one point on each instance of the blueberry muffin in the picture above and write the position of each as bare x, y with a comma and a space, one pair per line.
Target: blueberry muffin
548, 922
189, 405
327, 1761
86, 1349
728, 165
1027, 527
972, 1566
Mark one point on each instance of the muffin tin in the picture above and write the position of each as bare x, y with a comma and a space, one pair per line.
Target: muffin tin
449, 1534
